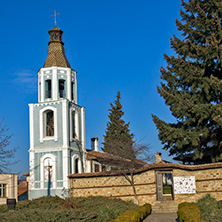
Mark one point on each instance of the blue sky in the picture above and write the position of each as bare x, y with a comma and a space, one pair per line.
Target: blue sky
114, 46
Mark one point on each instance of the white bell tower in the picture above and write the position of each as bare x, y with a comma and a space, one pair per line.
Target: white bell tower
57, 124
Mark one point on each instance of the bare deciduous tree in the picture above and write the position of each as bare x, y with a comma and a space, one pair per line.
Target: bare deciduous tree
132, 161
6, 153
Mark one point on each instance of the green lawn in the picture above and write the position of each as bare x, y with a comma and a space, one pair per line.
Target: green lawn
99, 209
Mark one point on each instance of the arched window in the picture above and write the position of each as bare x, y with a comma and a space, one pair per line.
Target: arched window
49, 122
48, 171
62, 88
76, 164
74, 124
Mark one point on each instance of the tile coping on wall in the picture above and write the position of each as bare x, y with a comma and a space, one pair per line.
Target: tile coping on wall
153, 166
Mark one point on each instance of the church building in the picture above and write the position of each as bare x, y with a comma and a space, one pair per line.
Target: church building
57, 129
57, 125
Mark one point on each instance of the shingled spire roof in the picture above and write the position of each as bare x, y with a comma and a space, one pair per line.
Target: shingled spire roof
56, 51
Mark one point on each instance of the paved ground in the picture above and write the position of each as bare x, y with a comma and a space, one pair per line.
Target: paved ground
169, 217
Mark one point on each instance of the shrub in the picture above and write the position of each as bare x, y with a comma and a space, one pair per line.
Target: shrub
93, 209
188, 212
3, 208
135, 215
47, 202
211, 210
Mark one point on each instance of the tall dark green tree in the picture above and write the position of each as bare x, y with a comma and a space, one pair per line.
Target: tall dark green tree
192, 83
117, 139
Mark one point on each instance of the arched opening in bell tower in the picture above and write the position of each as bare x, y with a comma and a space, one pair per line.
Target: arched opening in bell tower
48, 89
62, 88
72, 92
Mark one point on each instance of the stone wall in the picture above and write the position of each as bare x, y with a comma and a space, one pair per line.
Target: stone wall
116, 186
208, 181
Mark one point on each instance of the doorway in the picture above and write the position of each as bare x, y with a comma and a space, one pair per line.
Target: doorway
164, 185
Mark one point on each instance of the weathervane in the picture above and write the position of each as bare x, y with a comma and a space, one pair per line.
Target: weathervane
55, 15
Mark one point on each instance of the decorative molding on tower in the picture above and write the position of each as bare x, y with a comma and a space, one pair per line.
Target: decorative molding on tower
56, 51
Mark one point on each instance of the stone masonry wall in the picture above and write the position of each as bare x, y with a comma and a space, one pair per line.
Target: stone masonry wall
208, 181
116, 186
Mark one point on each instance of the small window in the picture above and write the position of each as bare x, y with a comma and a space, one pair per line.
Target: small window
39, 91
103, 168
48, 89
2, 190
96, 167
62, 88
72, 93
49, 123
113, 169
73, 125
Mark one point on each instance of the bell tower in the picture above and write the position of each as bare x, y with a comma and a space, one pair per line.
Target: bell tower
57, 124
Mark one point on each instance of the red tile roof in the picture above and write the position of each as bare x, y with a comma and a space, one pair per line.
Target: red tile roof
152, 166
22, 189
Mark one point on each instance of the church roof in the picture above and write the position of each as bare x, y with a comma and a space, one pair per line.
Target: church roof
56, 52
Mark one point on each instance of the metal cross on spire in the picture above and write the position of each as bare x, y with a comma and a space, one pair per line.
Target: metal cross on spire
55, 16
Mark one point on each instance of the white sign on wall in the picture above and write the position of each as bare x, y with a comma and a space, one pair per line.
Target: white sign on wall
184, 185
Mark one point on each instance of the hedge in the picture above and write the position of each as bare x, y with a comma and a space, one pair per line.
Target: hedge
78, 209
135, 215
188, 212
210, 208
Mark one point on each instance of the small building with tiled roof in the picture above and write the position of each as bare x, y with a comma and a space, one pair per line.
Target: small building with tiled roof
155, 183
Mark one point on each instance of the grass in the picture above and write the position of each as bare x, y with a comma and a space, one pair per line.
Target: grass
167, 190
84, 209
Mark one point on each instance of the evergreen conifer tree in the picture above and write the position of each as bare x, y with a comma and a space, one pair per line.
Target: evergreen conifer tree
192, 83
117, 139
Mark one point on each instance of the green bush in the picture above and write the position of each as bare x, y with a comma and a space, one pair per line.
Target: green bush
93, 209
188, 212
211, 210
47, 202
3, 208
106, 208
135, 215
